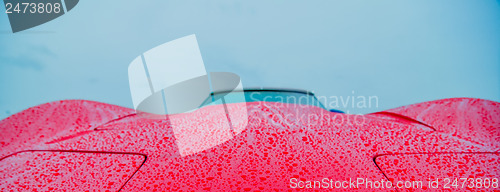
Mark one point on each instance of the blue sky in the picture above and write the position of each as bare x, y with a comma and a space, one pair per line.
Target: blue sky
403, 52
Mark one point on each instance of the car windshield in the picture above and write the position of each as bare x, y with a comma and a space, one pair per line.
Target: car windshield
280, 96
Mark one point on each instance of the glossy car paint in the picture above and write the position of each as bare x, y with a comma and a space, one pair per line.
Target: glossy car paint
280, 143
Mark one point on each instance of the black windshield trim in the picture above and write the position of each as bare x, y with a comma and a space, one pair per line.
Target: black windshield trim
266, 90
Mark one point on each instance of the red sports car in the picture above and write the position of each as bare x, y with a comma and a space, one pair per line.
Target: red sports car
76, 145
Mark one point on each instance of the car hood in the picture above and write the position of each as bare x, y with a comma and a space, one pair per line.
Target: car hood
280, 143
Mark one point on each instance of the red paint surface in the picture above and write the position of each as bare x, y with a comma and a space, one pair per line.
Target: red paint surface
71, 171
281, 141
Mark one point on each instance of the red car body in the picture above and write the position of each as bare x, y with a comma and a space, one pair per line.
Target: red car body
77, 145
